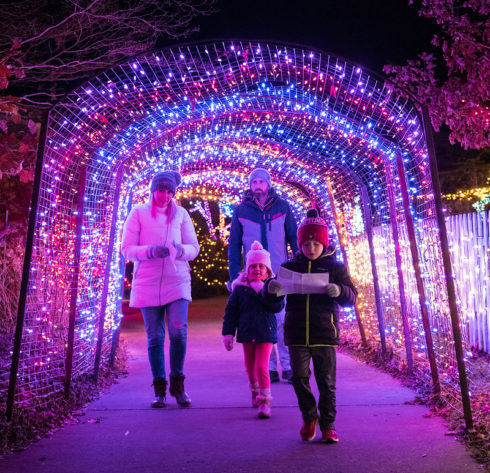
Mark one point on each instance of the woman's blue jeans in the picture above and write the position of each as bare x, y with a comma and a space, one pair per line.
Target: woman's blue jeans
154, 318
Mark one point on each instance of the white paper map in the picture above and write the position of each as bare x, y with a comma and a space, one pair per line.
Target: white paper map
301, 283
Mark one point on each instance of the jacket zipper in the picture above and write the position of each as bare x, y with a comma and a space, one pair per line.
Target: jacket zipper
163, 267
308, 311
160, 285
334, 327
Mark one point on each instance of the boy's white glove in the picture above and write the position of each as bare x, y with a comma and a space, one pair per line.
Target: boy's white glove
228, 342
274, 287
332, 290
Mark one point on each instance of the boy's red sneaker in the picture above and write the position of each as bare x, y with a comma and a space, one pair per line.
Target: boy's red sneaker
308, 431
329, 436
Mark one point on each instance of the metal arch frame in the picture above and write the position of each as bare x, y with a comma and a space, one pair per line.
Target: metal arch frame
447, 263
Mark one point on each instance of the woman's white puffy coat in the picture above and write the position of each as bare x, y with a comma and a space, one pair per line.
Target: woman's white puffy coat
159, 281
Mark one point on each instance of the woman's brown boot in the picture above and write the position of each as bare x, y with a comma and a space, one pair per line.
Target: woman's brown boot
177, 390
160, 387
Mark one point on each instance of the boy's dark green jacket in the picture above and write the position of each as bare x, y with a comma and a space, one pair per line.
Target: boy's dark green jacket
313, 319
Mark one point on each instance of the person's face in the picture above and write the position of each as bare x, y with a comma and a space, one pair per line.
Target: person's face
257, 272
259, 187
162, 197
312, 249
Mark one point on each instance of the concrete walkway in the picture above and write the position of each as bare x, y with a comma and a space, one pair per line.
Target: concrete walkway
379, 432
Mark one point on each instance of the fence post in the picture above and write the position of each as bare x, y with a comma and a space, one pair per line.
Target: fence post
117, 332
448, 273
485, 312
105, 288
398, 260
4, 244
418, 276
484, 301
346, 262
374, 270
14, 367
74, 284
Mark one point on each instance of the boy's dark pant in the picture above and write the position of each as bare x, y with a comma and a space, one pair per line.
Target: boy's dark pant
324, 367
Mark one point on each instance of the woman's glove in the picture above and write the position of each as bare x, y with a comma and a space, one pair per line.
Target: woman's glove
332, 290
228, 342
179, 249
274, 287
158, 251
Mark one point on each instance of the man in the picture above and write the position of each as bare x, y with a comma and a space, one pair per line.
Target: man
264, 217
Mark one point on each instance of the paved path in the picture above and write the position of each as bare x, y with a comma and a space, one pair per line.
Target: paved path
379, 432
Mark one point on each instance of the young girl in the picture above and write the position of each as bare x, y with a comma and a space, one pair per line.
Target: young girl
250, 314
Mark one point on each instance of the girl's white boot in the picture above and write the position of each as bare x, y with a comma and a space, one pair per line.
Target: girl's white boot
264, 401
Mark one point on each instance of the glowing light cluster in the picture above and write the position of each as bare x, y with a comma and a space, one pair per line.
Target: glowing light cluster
469, 194
328, 132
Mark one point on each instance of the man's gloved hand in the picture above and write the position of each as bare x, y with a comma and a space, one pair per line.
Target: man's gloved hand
158, 251
274, 287
333, 290
228, 342
179, 249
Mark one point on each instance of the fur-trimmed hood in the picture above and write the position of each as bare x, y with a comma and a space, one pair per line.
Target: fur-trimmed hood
242, 280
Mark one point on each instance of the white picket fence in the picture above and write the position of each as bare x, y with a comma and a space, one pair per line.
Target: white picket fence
469, 244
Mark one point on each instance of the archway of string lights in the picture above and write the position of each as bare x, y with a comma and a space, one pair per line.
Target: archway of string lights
331, 135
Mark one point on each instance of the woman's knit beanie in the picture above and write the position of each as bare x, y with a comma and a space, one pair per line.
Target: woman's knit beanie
169, 180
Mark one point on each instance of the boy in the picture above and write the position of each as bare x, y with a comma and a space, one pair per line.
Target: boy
311, 326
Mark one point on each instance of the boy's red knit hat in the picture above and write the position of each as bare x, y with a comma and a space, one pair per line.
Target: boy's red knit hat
313, 227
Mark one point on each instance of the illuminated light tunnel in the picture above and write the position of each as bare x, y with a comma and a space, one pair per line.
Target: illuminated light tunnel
331, 135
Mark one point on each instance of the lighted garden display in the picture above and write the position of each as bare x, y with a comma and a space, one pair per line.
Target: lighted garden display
331, 135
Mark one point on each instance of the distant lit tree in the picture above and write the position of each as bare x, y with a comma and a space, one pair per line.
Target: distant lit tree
453, 80
210, 268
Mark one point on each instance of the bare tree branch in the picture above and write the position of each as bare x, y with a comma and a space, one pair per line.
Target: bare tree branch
47, 44
60, 24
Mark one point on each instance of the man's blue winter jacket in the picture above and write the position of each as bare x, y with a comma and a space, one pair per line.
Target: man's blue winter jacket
273, 225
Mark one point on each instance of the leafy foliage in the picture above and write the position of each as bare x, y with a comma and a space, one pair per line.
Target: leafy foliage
452, 80
17, 161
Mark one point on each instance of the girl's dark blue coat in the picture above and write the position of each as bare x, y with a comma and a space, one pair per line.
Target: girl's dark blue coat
251, 315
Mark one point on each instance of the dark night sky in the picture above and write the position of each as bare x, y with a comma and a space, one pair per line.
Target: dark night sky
371, 33
368, 32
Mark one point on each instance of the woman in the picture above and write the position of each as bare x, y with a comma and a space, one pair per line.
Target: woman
160, 238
